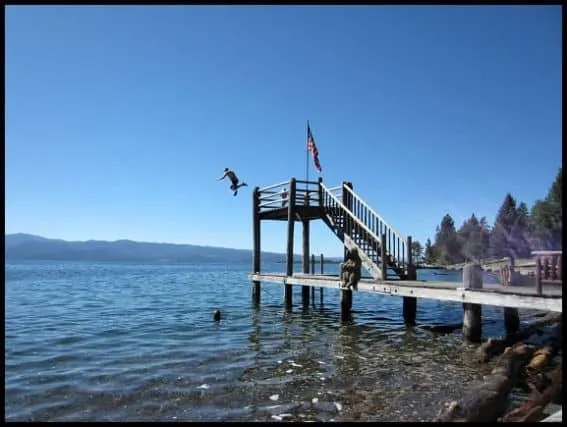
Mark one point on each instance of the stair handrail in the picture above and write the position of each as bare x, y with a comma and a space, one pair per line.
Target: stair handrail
373, 212
338, 187
353, 216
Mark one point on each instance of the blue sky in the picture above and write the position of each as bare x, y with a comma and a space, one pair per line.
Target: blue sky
120, 119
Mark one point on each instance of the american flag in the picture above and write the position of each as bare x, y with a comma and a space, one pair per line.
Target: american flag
312, 148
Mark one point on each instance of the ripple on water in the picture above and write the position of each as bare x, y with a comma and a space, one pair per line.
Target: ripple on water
130, 343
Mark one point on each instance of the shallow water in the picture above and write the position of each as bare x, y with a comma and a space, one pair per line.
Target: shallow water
128, 342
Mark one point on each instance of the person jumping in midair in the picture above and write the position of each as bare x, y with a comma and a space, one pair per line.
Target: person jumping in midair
234, 179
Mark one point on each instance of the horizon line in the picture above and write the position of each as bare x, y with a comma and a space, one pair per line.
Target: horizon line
155, 243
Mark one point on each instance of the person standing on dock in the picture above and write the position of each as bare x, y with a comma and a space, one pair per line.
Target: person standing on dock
284, 196
234, 179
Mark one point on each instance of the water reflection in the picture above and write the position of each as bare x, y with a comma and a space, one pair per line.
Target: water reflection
347, 350
254, 337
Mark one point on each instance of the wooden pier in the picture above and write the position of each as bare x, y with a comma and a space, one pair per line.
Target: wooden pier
442, 291
386, 255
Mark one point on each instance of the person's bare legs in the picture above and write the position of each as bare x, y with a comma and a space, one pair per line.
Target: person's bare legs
235, 187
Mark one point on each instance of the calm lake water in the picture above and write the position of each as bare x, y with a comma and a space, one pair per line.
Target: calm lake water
130, 342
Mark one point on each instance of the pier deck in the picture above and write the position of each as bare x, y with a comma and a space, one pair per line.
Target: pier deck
371, 244
492, 294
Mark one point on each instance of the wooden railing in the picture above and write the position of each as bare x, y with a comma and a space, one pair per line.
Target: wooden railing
337, 192
278, 195
549, 268
335, 205
396, 244
369, 231
307, 193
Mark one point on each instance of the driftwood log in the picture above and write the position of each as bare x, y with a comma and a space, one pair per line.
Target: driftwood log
495, 346
487, 401
533, 408
541, 358
534, 377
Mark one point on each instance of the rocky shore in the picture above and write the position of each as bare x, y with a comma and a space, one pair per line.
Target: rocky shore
525, 382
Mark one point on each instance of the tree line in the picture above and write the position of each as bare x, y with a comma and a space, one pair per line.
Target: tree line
516, 232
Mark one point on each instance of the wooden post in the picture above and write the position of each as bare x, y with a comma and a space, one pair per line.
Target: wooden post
305, 289
346, 303
321, 288
347, 222
410, 303
472, 320
346, 294
410, 310
290, 230
257, 240
384, 264
538, 275
511, 317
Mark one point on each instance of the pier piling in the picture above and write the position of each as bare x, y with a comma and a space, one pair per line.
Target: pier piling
256, 249
321, 288
383, 255
472, 319
410, 310
511, 320
305, 291
313, 272
346, 303
511, 316
410, 303
346, 294
288, 292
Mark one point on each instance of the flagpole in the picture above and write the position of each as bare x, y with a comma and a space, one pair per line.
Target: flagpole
307, 154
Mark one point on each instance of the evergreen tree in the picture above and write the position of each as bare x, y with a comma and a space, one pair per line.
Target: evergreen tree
484, 238
515, 232
520, 235
416, 251
429, 255
501, 244
546, 219
554, 194
541, 225
446, 241
471, 240
464, 234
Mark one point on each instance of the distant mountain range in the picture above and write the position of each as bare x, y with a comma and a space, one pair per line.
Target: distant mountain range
29, 247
